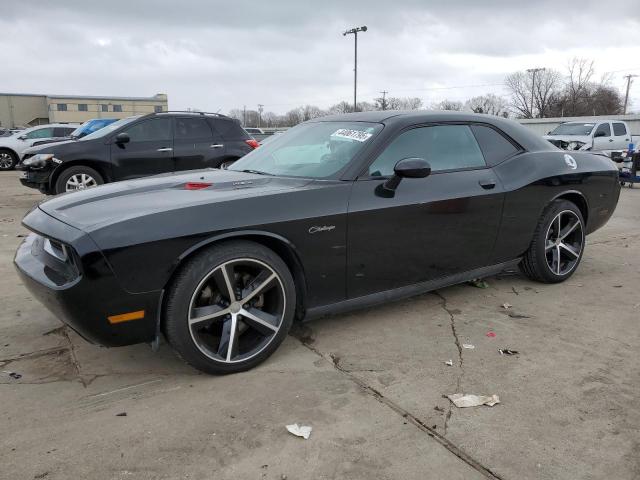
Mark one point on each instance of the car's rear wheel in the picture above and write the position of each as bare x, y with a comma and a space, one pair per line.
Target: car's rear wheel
8, 160
230, 307
79, 177
557, 245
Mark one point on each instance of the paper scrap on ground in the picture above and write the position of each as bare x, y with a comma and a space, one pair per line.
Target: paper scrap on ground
462, 400
300, 430
468, 345
449, 362
506, 306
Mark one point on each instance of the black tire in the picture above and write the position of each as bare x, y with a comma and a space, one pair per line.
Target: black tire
535, 263
188, 286
77, 170
8, 159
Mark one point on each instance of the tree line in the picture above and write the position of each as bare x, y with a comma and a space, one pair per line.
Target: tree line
534, 93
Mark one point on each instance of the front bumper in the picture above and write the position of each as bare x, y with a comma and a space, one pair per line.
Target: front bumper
85, 292
35, 179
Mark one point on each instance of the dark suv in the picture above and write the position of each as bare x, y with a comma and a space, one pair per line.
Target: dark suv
135, 147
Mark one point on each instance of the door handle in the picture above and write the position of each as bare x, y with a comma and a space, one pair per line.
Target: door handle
487, 184
165, 149
216, 145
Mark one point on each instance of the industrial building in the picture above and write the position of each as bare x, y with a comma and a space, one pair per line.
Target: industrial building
25, 110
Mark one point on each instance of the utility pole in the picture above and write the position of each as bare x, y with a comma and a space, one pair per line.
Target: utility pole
626, 95
355, 31
533, 72
260, 114
244, 116
384, 101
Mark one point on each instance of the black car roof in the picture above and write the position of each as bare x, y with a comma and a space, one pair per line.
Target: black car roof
527, 138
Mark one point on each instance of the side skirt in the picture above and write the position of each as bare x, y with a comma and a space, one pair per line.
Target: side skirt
405, 292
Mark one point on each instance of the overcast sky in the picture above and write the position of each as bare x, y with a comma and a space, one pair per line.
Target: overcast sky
214, 55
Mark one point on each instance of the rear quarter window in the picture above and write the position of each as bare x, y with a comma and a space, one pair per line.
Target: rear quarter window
495, 147
619, 129
229, 129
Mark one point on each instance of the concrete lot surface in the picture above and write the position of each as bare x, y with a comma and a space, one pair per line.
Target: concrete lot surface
370, 383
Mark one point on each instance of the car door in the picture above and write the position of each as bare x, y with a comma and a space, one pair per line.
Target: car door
196, 144
621, 138
602, 138
148, 152
431, 227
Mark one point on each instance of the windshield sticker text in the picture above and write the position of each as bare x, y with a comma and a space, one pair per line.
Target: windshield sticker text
352, 134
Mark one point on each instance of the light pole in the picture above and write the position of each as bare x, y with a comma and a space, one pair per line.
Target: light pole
533, 72
355, 62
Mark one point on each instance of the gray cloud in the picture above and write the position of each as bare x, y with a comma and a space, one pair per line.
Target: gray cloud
219, 55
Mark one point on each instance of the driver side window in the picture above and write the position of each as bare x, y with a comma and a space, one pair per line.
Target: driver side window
40, 133
445, 147
604, 128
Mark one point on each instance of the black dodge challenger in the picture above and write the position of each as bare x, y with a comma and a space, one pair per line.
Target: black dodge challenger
338, 213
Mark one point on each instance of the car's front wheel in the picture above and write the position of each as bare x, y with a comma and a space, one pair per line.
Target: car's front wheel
558, 244
78, 177
230, 307
8, 160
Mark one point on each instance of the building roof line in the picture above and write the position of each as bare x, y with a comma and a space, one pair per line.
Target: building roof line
160, 97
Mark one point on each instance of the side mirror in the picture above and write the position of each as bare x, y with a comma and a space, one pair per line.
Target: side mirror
599, 134
122, 138
22, 137
407, 168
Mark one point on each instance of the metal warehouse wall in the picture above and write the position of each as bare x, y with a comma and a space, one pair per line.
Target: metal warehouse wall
544, 125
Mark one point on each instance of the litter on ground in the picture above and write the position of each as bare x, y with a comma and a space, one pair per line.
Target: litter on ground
491, 334
506, 351
478, 283
449, 362
14, 375
300, 430
462, 400
468, 345
506, 306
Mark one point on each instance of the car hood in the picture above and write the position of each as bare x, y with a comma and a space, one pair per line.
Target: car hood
569, 138
98, 207
58, 146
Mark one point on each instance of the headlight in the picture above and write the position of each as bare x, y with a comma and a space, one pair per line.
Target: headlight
38, 161
575, 145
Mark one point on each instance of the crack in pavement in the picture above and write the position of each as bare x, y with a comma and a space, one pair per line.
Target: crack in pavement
307, 341
72, 356
454, 332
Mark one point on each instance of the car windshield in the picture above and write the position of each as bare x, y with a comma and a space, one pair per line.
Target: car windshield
91, 126
573, 129
109, 128
313, 150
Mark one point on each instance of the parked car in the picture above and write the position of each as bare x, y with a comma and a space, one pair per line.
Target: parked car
135, 147
341, 212
606, 136
83, 130
257, 133
12, 148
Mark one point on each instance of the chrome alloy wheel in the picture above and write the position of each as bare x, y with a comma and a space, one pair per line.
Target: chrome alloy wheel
564, 242
236, 310
6, 161
80, 181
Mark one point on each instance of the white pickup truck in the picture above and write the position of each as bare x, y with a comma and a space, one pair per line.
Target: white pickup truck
610, 137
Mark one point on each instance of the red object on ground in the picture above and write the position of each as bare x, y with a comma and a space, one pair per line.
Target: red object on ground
491, 334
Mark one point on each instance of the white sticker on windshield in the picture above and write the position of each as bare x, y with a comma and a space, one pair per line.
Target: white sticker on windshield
352, 134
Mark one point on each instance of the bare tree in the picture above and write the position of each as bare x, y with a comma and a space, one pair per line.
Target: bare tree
578, 82
448, 105
525, 92
489, 103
